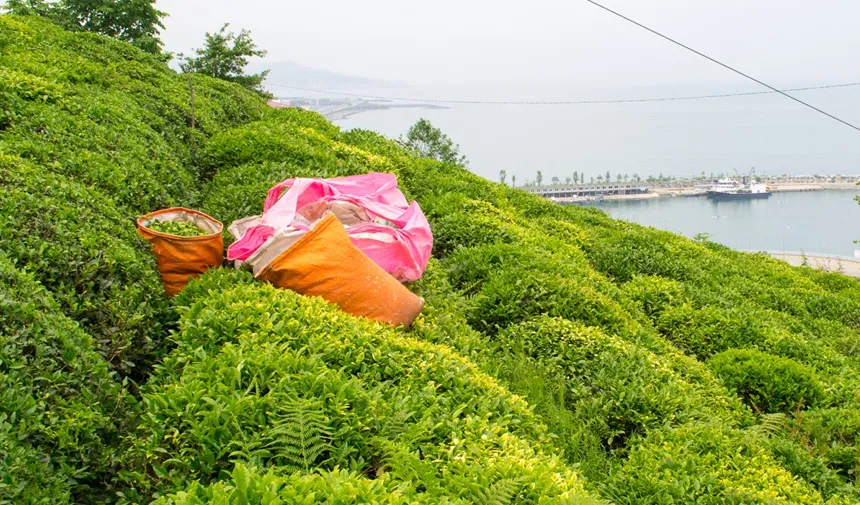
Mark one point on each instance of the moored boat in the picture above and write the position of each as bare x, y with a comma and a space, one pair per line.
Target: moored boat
728, 189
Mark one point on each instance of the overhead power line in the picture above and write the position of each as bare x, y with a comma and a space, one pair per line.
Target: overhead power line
556, 102
783, 93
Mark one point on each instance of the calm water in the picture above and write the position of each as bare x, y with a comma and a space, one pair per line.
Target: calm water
814, 222
677, 138
719, 135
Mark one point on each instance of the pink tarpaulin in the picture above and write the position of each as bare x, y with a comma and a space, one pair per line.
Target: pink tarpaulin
378, 219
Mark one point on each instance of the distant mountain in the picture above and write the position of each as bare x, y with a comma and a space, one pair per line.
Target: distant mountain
290, 73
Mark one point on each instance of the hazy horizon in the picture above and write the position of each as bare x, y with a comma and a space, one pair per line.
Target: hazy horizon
563, 41
572, 50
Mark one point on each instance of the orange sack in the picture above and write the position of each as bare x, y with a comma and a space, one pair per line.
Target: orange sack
179, 258
324, 263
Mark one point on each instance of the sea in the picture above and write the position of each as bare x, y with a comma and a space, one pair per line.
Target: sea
679, 138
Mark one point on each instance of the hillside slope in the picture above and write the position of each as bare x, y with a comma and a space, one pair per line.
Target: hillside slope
562, 357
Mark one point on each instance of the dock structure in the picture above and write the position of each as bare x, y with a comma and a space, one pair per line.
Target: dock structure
558, 191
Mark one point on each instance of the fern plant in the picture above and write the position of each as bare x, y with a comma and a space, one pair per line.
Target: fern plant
298, 439
406, 465
500, 492
486, 488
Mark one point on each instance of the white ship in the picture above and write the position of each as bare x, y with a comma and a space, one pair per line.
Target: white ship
730, 189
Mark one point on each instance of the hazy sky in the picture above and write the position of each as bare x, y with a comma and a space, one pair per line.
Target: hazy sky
478, 41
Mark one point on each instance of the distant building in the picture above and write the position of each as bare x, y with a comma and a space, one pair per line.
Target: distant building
571, 191
277, 104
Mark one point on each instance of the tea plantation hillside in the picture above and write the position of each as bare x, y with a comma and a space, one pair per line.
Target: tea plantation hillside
562, 356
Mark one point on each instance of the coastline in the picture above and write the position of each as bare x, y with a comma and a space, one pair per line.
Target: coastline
691, 191
826, 262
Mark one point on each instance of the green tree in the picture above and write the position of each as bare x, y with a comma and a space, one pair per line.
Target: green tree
135, 21
608, 179
582, 178
599, 178
555, 180
502, 175
591, 180
618, 177
539, 177
575, 177
513, 181
31, 8
428, 141
567, 180
225, 56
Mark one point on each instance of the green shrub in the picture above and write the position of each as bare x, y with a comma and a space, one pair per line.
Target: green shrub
465, 229
832, 281
375, 143
469, 268
620, 389
61, 413
248, 486
109, 115
767, 383
568, 233
841, 338
283, 142
710, 330
82, 250
844, 308
704, 464
813, 469
97, 146
834, 434
641, 251
273, 381
430, 181
270, 364
443, 318
654, 295
215, 279
513, 295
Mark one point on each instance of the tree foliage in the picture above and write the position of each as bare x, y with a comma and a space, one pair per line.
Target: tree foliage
135, 21
225, 56
427, 141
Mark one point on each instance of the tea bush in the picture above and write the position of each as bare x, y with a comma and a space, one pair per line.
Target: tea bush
247, 486
516, 294
261, 395
306, 387
109, 115
623, 255
833, 435
707, 464
81, 249
767, 383
269, 140
654, 295
61, 413
710, 330
624, 390
809, 467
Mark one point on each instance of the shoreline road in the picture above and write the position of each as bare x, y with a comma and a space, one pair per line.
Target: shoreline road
829, 263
